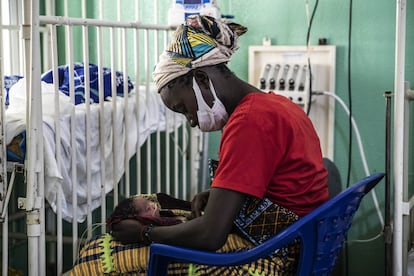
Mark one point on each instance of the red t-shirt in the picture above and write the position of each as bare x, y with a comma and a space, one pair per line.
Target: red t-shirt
269, 148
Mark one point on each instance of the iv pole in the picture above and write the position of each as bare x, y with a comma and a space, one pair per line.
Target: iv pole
401, 203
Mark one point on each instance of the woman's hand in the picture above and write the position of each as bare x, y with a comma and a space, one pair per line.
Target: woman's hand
199, 202
128, 231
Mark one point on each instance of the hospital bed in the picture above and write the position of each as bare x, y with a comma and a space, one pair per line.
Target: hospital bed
79, 153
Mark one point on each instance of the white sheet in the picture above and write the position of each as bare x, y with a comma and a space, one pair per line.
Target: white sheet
58, 181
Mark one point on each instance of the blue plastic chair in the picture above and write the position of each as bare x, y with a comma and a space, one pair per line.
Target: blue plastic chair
322, 233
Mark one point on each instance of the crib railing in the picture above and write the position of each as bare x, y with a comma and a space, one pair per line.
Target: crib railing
167, 159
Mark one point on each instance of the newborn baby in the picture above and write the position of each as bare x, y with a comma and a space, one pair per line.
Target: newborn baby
156, 209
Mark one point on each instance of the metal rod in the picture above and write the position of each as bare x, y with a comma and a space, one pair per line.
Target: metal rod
399, 249
147, 93
60, 20
127, 118
102, 123
85, 38
70, 61
387, 225
112, 43
137, 106
4, 184
176, 172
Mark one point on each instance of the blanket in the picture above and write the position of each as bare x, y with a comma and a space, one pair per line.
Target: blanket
79, 82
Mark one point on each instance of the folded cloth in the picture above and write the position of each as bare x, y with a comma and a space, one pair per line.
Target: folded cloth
79, 79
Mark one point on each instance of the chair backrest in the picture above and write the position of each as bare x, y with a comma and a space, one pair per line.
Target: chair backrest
322, 233
334, 177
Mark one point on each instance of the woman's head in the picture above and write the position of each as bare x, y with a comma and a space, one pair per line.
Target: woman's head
186, 74
200, 96
202, 41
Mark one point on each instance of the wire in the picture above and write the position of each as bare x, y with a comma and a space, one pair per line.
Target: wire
361, 148
367, 240
310, 21
350, 117
349, 93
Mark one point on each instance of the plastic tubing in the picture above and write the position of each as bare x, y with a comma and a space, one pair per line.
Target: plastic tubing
361, 150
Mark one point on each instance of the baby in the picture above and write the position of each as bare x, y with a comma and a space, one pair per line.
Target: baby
156, 209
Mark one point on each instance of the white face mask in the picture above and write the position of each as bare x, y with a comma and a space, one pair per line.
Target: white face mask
209, 118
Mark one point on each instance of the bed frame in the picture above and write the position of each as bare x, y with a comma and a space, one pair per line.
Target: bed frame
167, 159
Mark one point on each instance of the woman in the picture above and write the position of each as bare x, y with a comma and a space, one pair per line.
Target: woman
269, 151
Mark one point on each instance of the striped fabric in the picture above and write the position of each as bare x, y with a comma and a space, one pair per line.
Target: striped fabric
257, 221
113, 258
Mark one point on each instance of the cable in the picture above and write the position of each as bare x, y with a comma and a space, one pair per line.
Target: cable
349, 94
361, 148
367, 240
350, 118
310, 21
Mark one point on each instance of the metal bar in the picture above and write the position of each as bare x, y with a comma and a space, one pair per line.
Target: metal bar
127, 118
138, 108
168, 126
60, 20
102, 123
114, 112
8, 192
71, 69
3, 181
387, 225
85, 36
168, 114
59, 224
15, 47
5, 249
183, 162
3, 152
399, 245
35, 178
49, 238
176, 172
147, 91
158, 134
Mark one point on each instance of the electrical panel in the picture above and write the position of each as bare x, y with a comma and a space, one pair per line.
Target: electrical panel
297, 72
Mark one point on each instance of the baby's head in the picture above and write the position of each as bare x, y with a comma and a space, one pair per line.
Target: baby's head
144, 207
132, 208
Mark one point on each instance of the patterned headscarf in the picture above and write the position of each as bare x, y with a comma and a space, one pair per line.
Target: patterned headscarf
201, 41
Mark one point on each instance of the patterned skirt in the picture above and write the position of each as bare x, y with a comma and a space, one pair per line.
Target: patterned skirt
257, 221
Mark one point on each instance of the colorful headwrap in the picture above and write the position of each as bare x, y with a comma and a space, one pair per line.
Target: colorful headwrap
201, 41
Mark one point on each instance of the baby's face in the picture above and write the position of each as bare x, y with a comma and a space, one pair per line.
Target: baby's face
145, 207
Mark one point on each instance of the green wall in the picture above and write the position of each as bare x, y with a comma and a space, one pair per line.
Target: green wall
371, 73
361, 80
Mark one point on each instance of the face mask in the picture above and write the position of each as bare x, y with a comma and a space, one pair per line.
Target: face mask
209, 118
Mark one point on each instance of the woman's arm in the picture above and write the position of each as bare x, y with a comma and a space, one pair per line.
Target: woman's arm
207, 232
